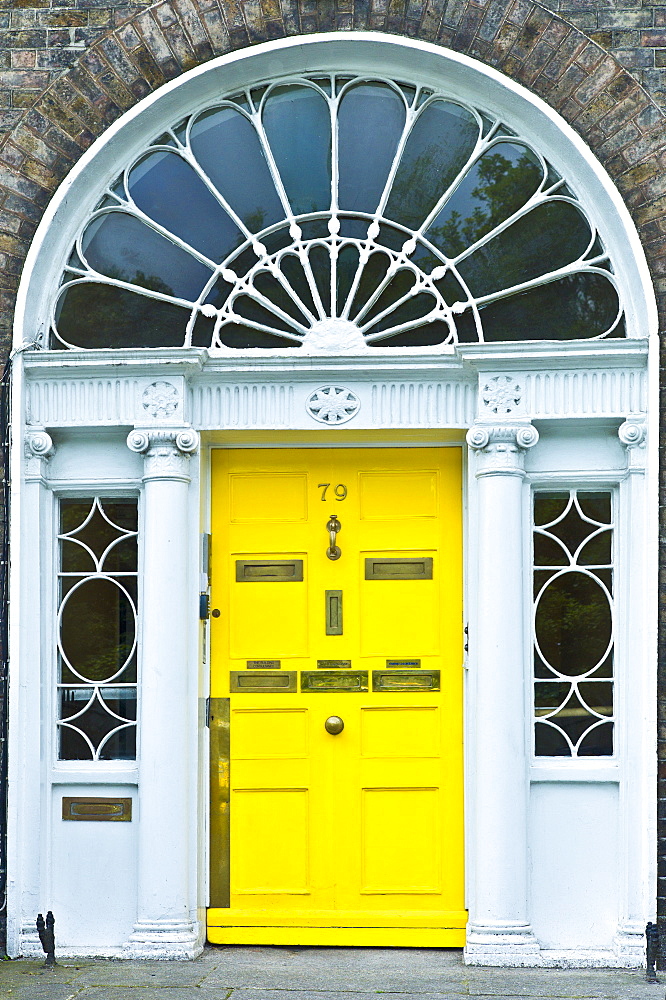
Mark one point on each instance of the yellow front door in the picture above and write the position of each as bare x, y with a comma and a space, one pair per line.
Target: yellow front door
337, 598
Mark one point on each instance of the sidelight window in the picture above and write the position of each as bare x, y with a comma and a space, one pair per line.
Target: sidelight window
97, 629
329, 213
573, 623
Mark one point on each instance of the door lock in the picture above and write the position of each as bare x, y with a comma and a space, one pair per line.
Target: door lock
334, 725
333, 526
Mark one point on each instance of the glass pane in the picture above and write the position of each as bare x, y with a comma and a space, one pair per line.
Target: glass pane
371, 118
544, 240
298, 127
235, 335
97, 720
439, 145
228, 149
571, 529
573, 623
549, 506
549, 742
596, 506
573, 308
374, 273
427, 335
573, 718
122, 247
97, 628
75, 559
598, 742
98, 533
596, 552
548, 552
91, 315
500, 182
168, 190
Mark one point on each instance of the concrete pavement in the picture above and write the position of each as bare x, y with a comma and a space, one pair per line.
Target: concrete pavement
314, 974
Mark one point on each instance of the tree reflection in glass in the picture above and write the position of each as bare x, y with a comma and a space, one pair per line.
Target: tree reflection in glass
336, 213
573, 624
97, 626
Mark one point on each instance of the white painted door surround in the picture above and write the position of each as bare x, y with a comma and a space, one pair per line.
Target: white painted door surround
559, 853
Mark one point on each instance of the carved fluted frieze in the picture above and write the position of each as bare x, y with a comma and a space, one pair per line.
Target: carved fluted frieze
166, 450
500, 448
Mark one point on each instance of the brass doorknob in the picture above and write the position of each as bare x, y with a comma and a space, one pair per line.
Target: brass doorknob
334, 725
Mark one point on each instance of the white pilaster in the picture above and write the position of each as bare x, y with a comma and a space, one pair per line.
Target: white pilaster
632, 691
499, 932
166, 924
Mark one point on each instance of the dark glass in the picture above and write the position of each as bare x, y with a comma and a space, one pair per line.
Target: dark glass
347, 266
121, 246
248, 308
97, 628
92, 315
298, 127
550, 695
228, 149
497, 185
597, 695
549, 742
548, 552
74, 558
272, 289
320, 263
236, 335
427, 335
549, 237
572, 308
374, 272
371, 118
573, 718
414, 308
96, 722
597, 552
573, 623
549, 506
98, 532
598, 742
167, 189
572, 529
596, 506
439, 145
292, 268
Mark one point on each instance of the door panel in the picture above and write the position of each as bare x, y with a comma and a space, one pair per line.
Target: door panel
353, 838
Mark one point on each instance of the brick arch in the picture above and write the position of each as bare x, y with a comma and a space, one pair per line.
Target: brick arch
529, 44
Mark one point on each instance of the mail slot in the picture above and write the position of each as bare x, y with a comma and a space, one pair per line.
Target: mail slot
97, 809
412, 568
269, 570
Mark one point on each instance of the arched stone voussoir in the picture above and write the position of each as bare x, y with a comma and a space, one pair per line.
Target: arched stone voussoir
522, 39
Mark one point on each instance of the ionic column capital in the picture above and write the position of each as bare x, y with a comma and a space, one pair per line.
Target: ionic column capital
501, 447
632, 434
38, 448
166, 450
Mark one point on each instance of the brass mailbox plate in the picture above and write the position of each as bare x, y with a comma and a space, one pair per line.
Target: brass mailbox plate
408, 568
332, 664
99, 810
406, 664
331, 680
220, 837
242, 681
333, 612
405, 680
269, 570
263, 664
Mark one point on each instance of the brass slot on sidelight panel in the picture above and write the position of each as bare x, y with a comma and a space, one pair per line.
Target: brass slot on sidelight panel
95, 808
269, 570
220, 838
333, 612
405, 680
331, 680
247, 681
413, 568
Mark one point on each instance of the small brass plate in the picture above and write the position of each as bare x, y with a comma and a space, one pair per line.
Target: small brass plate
247, 681
405, 680
101, 810
412, 568
331, 680
407, 664
263, 664
332, 664
269, 570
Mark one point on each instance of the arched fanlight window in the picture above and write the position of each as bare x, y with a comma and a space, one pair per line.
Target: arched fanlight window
336, 213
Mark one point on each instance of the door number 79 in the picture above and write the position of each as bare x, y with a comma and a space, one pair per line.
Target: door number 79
340, 491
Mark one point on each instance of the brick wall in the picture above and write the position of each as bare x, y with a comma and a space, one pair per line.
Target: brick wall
68, 68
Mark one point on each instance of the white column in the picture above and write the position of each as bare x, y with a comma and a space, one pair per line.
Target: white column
166, 924
499, 931
634, 696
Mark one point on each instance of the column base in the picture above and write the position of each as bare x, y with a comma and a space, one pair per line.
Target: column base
629, 945
505, 945
164, 940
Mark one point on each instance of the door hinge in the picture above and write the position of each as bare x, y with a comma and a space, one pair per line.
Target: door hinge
208, 713
466, 631
204, 607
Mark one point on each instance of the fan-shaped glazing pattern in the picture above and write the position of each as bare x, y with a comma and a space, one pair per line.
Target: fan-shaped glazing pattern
329, 214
